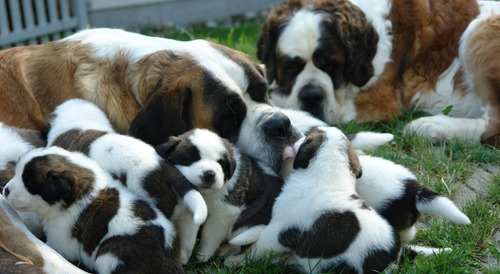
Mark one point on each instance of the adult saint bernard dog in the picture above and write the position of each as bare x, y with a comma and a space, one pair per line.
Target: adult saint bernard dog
368, 60
157, 87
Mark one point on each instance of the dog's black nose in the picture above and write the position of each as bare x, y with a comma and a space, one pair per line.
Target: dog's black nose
6, 192
208, 177
311, 96
277, 125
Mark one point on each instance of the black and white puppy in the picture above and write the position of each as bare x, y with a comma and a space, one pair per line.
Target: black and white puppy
319, 217
79, 125
394, 192
239, 191
89, 216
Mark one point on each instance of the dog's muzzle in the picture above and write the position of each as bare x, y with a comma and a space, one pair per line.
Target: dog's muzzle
311, 100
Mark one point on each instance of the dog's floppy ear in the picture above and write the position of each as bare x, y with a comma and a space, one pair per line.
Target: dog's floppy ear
228, 163
164, 114
266, 45
165, 149
353, 160
307, 149
56, 187
357, 36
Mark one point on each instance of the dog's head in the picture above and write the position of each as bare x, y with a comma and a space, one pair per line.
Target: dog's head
48, 178
74, 114
326, 148
267, 135
199, 84
204, 158
319, 53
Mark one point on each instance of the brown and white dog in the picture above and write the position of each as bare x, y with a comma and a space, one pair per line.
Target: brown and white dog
157, 87
22, 252
90, 217
368, 60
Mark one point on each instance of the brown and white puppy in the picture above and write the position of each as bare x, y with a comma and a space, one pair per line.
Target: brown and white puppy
319, 217
79, 125
239, 191
368, 60
23, 252
157, 87
90, 217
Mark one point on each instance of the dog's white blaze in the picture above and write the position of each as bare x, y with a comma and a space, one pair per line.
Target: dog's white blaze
107, 263
107, 43
209, 144
300, 37
442, 206
12, 146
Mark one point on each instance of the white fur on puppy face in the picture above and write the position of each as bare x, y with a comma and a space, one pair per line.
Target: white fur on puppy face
211, 149
88, 116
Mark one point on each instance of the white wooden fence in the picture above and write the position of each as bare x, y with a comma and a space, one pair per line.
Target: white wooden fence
25, 22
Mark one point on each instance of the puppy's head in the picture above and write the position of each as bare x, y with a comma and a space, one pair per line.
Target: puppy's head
329, 148
45, 179
75, 114
207, 86
267, 135
205, 159
317, 52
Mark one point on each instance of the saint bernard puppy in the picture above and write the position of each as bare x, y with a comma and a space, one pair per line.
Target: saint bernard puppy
23, 252
394, 192
150, 87
239, 190
90, 217
368, 60
319, 217
79, 125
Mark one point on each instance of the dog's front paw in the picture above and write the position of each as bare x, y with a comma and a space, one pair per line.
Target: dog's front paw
186, 254
205, 254
433, 128
196, 204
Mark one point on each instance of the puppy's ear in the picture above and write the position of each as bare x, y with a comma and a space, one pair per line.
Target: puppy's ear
228, 163
45, 130
56, 187
353, 160
307, 151
165, 113
359, 39
165, 149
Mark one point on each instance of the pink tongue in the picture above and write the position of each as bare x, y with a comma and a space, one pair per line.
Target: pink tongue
289, 152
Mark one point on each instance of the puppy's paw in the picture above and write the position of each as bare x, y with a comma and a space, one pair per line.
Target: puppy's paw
196, 204
186, 254
205, 254
366, 140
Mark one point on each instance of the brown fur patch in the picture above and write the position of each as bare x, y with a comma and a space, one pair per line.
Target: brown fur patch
482, 58
92, 225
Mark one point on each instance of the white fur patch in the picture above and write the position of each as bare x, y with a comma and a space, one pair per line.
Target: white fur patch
12, 146
444, 207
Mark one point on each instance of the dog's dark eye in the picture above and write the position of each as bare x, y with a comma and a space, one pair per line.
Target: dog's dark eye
294, 64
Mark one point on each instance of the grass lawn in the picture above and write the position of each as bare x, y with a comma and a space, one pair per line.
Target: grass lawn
467, 173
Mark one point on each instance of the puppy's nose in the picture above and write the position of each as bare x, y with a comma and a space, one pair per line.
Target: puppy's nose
277, 125
311, 96
6, 192
208, 177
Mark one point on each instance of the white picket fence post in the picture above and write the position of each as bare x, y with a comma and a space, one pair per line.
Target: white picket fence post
32, 22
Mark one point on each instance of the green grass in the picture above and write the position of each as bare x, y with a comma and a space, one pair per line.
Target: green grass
445, 169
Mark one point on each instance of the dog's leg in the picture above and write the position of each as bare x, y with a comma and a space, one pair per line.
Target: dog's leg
188, 231
440, 129
214, 232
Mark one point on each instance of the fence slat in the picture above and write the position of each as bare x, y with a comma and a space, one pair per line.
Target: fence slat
64, 17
